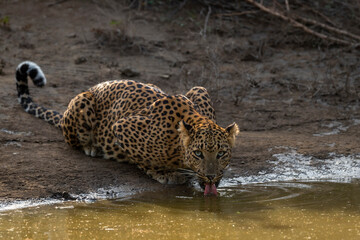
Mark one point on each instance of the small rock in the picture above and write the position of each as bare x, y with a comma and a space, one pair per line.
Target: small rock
80, 60
63, 196
250, 57
71, 35
127, 72
26, 45
165, 76
13, 143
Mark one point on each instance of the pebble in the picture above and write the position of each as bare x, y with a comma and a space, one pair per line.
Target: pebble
80, 60
127, 72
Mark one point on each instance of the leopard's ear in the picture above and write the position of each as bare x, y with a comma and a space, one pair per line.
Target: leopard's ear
233, 131
184, 130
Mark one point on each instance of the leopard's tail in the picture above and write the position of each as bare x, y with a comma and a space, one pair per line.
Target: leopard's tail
32, 70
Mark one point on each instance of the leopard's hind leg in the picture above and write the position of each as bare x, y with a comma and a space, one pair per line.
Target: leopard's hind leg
79, 123
202, 101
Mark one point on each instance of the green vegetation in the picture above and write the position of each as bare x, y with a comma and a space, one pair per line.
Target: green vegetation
4, 21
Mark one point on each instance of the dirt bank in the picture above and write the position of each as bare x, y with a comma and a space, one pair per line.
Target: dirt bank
283, 88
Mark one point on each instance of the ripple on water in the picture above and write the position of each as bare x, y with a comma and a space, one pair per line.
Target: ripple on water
321, 210
247, 197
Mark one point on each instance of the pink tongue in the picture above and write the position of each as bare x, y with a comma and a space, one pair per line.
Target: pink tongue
210, 189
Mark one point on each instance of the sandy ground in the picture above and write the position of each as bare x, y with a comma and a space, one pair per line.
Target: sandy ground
281, 86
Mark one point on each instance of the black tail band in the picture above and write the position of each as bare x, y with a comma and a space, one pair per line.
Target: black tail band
32, 70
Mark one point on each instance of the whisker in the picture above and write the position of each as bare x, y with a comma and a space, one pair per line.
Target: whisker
202, 177
185, 171
218, 177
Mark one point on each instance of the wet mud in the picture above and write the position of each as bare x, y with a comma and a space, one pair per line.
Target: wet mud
285, 95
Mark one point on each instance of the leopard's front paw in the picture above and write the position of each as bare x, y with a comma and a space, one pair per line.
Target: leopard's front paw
168, 178
92, 151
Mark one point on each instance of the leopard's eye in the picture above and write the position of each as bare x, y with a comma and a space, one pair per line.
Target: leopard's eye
220, 154
198, 153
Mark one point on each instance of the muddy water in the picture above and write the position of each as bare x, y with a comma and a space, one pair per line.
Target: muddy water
309, 210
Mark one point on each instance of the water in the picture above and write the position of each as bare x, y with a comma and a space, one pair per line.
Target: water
277, 210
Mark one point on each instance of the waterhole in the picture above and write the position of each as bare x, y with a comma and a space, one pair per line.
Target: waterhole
282, 210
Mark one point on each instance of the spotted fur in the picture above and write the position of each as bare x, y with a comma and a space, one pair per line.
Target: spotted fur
171, 138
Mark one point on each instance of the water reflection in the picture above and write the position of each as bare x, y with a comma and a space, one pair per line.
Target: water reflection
320, 210
253, 197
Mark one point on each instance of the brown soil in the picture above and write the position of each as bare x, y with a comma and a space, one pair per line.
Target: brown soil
279, 84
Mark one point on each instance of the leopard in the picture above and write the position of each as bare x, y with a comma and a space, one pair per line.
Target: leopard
172, 138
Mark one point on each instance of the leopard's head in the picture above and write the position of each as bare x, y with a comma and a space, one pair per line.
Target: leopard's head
207, 149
